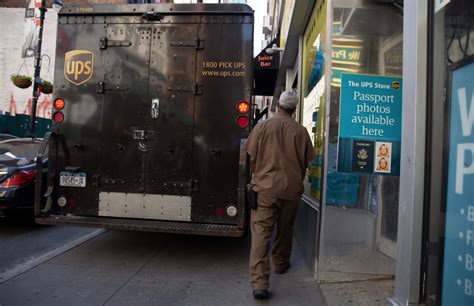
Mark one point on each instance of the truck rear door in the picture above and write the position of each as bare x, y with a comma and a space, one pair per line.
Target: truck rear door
170, 117
126, 56
148, 112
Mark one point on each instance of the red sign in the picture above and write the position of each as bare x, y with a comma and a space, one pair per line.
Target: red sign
267, 61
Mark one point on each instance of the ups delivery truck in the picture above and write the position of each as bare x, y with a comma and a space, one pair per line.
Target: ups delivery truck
151, 107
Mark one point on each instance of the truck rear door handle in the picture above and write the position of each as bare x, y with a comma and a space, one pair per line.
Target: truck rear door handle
155, 108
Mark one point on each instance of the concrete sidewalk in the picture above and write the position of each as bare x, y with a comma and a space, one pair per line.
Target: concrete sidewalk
134, 268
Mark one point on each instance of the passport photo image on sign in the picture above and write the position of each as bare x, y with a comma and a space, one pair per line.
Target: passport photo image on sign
383, 158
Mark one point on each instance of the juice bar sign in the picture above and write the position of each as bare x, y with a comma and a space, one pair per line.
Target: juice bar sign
458, 265
267, 61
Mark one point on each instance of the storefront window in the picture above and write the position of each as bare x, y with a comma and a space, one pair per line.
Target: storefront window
312, 112
360, 214
452, 106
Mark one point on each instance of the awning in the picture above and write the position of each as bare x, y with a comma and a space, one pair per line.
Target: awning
266, 71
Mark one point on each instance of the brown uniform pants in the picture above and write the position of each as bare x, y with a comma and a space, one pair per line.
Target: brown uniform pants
262, 220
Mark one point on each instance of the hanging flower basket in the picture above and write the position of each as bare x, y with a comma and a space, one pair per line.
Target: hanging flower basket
21, 81
46, 87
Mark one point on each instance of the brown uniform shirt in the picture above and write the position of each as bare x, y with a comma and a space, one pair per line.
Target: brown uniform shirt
280, 150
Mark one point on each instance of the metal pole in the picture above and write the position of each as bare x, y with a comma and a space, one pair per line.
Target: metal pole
36, 77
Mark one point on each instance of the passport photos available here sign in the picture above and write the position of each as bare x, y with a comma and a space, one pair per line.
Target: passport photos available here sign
371, 107
370, 124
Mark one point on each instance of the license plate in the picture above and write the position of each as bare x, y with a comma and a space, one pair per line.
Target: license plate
70, 179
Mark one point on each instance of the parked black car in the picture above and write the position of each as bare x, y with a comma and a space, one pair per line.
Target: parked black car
17, 175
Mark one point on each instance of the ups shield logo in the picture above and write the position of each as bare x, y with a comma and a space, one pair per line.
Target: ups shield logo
78, 66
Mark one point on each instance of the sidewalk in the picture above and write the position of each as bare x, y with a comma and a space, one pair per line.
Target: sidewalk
134, 268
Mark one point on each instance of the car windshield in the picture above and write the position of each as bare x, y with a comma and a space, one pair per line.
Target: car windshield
18, 149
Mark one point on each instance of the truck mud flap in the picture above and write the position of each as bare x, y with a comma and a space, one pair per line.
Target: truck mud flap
146, 225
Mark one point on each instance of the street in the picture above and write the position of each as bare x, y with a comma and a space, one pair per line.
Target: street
22, 242
140, 268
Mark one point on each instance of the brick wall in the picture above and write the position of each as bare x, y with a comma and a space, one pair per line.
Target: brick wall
12, 98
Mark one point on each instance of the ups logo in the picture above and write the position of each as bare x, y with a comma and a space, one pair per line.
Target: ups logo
78, 66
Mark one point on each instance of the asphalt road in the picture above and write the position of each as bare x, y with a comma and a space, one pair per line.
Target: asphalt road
22, 241
139, 268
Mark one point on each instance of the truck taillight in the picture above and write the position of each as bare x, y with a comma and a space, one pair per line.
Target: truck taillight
243, 121
59, 104
58, 117
243, 107
219, 211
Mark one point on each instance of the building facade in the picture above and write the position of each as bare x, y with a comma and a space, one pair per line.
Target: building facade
381, 83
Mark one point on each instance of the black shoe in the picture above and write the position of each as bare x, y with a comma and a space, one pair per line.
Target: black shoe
260, 294
283, 269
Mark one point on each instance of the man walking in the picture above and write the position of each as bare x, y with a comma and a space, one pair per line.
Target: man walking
280, 150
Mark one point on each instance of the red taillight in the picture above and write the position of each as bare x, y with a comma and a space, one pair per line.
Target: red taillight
59, 104
219, 211
58, 117
71, 202
19, 178
243, 121
243, 107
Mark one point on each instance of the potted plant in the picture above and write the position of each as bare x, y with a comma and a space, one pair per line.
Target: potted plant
21, 81
46, 87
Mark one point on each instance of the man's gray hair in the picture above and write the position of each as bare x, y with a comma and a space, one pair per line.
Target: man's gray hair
288, 100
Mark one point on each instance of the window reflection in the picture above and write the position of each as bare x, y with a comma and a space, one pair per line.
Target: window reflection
361, 210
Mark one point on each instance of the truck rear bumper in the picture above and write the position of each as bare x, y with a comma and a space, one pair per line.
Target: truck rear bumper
145, 225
